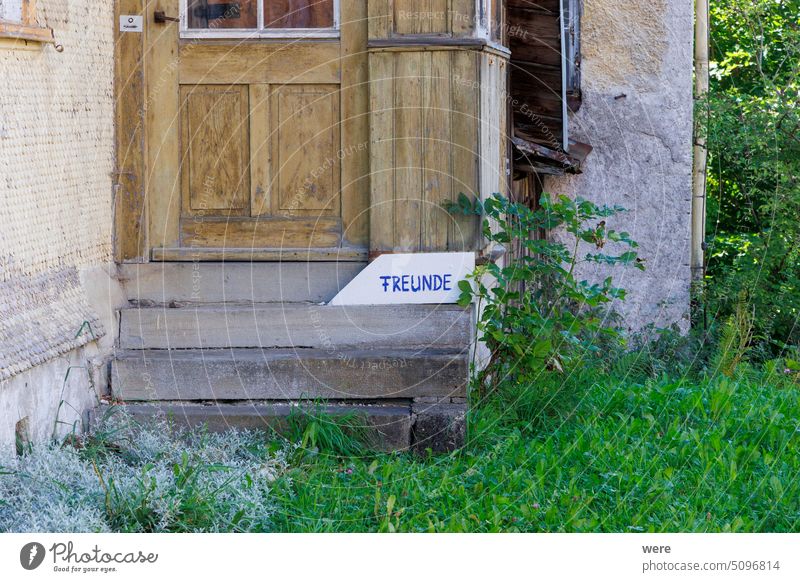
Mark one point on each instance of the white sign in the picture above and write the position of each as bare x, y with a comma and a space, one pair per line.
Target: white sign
408, 278
131, 23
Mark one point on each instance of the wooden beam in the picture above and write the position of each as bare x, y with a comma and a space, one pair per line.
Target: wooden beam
355, 124
247, 254
130, 238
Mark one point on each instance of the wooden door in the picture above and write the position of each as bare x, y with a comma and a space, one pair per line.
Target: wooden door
256, 133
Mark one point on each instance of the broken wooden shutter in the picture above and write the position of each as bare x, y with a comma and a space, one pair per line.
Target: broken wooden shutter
543, 37
563, 33
572, 51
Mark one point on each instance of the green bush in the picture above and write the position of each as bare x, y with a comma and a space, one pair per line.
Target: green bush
534, 313
754, 168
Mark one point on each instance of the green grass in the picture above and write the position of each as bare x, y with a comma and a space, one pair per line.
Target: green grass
613, 453
654, 455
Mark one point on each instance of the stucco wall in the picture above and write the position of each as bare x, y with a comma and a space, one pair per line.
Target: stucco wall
56, 148
637, 114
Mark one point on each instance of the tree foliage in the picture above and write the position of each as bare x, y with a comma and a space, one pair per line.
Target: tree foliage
753, 128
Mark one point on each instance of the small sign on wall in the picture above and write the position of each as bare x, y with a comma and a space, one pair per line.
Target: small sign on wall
131, 23
408, 278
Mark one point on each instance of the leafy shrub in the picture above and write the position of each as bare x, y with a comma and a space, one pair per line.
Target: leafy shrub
754, 168
534, 314
734, 343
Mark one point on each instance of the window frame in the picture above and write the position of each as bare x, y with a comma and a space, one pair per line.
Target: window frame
259, 32
485, 25
26, 28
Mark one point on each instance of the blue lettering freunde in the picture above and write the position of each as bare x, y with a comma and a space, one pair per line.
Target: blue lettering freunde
416, 283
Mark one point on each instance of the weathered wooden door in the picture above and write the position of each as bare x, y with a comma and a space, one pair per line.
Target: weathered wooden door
255, 129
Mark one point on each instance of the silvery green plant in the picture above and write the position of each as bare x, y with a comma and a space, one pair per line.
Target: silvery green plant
129, 477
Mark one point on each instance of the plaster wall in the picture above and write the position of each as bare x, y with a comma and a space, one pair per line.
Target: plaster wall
637, 114
57, 286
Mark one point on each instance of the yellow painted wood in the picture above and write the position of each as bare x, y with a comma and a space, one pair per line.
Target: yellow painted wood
244, 140
493, 134
305, 146
408, 160
381, 18
382, 133
215, 177
264, 233
355, 123
130, 232
406, 16
339, 254
465, 144
437, 171
439, 20
260, 62
462, 18
13, 30
162, 126
428, 104
421, 17
260, 151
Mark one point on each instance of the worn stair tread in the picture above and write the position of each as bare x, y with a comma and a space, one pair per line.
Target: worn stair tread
288, 374
256, 282
295, 325
388, 427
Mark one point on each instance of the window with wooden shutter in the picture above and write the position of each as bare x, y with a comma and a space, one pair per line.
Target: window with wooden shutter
545, 83
572, 51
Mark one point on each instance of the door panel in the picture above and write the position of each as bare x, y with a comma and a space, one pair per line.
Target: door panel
267, 154
255, 62
268, 233
215, 155
305, 143
244, 141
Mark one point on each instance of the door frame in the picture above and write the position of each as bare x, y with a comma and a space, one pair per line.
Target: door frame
147, 189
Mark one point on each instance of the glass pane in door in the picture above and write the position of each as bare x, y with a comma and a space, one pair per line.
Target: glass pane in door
221, 14
298, 13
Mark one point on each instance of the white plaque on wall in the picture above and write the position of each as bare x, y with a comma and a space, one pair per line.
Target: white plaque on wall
131, 23
408, 278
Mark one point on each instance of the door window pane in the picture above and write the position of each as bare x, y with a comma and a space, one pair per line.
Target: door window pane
298, 13
221, 14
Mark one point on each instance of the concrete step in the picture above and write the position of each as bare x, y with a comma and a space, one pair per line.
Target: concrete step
296, 326
249, 282
288, 374
387, 427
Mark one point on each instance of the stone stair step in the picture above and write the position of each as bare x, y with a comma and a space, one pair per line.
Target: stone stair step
246, 282
388, 427
296, 325
288, 374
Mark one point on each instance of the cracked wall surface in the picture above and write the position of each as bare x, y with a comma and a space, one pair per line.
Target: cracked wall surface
637, 114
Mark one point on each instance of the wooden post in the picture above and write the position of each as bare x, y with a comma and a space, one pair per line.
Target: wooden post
130, 242
426, 81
